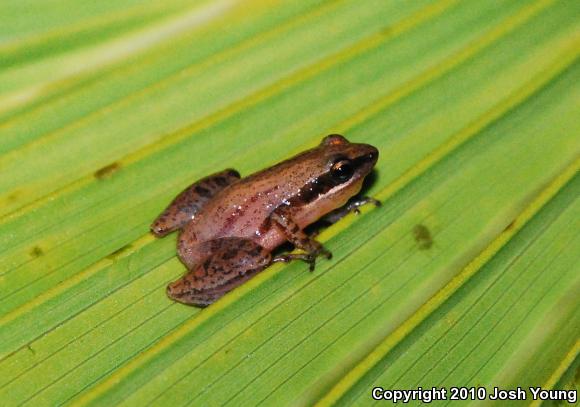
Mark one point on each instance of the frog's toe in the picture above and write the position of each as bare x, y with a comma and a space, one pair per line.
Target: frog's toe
309, 258
179, 290
176, 292
326, 253
159, 228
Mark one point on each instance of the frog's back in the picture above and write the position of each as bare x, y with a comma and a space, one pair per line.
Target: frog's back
241, 209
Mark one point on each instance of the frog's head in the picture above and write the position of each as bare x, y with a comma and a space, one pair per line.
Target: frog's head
346, 161
337, 170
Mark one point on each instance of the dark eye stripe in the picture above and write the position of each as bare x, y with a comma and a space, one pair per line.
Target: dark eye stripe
314, 189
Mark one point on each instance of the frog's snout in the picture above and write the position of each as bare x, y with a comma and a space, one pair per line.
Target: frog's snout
367, 155
373, 155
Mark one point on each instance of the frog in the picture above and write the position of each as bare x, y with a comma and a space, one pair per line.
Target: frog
229, 226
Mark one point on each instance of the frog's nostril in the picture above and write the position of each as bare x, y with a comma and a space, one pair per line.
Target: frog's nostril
372, 156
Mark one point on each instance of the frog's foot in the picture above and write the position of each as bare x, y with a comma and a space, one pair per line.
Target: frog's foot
283, 218
352, 206
309, 258
190, 201
230, 261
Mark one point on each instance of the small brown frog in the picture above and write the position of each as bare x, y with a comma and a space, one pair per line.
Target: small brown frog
229, 226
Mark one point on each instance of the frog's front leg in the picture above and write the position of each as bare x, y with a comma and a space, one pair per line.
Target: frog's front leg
182, 209
282, 216
352, 206
229, 261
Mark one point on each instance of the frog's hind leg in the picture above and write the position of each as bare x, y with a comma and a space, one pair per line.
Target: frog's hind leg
203, 298
182, 209
229, 261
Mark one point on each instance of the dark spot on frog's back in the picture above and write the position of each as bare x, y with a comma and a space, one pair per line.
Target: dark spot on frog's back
423, 237
36, 252
221, 181
256, 251
230, 254
202, 191
233, 173
107, 170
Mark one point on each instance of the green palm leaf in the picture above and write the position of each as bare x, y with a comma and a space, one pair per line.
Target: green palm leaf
467, 275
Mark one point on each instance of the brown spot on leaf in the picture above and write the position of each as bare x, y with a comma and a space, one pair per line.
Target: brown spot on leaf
423, 237
13, 197
118, 252
107, 170
510, 226
36, 251
387, 31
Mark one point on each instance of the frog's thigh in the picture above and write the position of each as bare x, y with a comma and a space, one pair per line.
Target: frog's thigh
181, 210
228, 263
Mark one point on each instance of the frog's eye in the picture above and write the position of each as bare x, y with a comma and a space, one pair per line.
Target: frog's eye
342, 170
